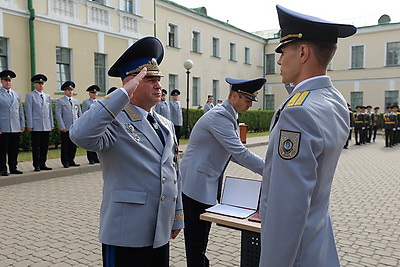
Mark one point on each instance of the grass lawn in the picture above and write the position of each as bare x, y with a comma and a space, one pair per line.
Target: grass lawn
55, 153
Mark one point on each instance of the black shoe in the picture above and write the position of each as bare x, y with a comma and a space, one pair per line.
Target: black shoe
97, 161
91, 162
66, 165
37, 169
16, 171
45, 168
4, 173
74, 165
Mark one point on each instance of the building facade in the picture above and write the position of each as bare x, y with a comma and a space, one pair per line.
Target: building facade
365, 68
79, 40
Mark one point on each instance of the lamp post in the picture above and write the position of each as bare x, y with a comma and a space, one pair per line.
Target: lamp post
187, 65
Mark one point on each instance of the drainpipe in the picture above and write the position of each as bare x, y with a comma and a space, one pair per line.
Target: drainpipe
264, 73
32, 39
155, 19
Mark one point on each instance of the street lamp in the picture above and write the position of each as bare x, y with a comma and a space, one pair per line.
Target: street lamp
188, 65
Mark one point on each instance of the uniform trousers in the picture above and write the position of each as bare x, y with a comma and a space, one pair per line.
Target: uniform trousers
68, 150
375, 129
40, 147
389, 137
178, 132
358, 135
196, 232
92, 157
114, 256
9, 147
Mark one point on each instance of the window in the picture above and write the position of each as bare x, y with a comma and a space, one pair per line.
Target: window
100, 71
196, 41
391, 98
63, 65
247, 55
99, 1
196, 91
393, 54
356, 99
357, 57
215, 47
270, 64
3, 54
172, 83
215, 88
129, 6
172, 35
232, 51
269, 102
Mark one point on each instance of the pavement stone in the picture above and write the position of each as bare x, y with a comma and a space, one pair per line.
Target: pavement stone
51, 218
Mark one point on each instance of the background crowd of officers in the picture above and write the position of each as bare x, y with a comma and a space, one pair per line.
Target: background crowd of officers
37, 117
366, 122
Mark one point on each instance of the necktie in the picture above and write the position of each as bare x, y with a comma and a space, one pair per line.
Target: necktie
70, 101
41, 95
154, 124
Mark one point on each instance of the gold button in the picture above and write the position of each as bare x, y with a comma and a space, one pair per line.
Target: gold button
175, 181
162, 198
163, 180
175, 198
174, 164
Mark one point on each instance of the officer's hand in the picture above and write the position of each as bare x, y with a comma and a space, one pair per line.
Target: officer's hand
174, 233
30, 130
133, 83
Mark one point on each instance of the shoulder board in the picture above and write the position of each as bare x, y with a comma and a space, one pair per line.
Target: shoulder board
298, 99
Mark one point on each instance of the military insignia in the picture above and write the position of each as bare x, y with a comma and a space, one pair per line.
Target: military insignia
289, 143
298, 99
137, 138
131, 113
130, 128
76, 107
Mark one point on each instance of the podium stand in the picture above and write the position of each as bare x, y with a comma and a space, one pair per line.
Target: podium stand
250, 236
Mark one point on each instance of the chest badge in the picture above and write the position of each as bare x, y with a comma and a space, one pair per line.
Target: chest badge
289, 143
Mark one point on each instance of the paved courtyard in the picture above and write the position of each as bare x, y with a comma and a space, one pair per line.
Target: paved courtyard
54, 222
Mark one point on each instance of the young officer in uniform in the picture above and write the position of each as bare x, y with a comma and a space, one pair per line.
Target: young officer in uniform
213, 142
68, 110
141, 207
39, 121
93, 91
162, 107
176, 113
209, 105
305, 144
12, 123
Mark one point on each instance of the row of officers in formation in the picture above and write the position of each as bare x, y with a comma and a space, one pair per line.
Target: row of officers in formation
366, 122
37, 116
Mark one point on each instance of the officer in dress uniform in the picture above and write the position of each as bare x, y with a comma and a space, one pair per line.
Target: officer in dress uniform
346, 145
358, 125
141, 207
213, 142
176, 113
12, 123
68, 110
368, 115
396, 129
163, 107
93, 91
375, 121
305, 143
389, 122
39, 121
209, 105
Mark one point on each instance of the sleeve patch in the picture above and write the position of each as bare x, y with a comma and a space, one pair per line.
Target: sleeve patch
289, 143
298, 99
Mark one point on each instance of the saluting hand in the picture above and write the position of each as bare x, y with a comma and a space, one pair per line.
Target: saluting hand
131, 85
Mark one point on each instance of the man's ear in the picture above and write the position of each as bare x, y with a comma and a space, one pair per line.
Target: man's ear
304, 52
